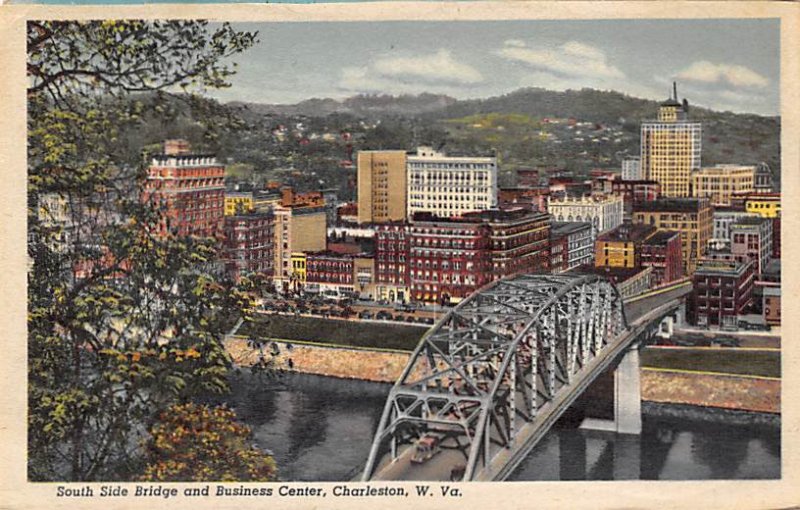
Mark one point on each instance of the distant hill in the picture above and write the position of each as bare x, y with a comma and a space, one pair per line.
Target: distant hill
727, 137
360, 106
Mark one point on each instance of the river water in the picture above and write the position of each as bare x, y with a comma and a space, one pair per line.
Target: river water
320, 429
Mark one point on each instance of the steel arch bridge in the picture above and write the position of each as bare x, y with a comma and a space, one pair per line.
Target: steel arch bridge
491, 365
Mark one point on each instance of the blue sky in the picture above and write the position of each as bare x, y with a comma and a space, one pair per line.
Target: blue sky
721, 64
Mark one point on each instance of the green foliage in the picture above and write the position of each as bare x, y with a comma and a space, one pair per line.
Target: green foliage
197, 443
122, 322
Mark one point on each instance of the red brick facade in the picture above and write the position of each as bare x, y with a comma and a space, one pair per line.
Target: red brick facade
249, 244
189, 190
663, 253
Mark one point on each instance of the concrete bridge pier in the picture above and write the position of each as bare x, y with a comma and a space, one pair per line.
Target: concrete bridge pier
627, 398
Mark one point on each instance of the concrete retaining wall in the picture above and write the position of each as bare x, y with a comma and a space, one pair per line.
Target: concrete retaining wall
661, 386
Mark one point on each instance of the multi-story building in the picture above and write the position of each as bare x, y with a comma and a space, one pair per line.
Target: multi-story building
763, 182
719, 183
622, 247
297, 279
670, 148
632, 168
723, 219
248, 244
298, 228
752, 238
577, 245
662, 252
603, 212
448, 258
519, 241
391, 262
692, 217
189, 190
339, 275
766, 205
449, 186
382, 186
722, 290
634, 192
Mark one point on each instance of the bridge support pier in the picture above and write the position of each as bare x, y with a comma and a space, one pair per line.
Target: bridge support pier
627, 398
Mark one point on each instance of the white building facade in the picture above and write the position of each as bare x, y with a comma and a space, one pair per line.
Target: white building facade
450, 186
632, 168
604, 212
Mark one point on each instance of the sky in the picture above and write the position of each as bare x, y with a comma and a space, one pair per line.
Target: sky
721, 64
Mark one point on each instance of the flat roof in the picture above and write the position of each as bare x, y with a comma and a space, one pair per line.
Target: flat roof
670, 205
627, 233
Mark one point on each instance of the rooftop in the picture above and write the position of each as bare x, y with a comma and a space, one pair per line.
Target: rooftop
628, 233
562, 228
671, 205
615, 274
661, 238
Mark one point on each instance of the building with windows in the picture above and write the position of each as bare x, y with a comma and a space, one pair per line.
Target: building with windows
448, 186
391, 262
764, 180
248, 244
662, 251
692, 217
534, 199
632, 168
382, 186
603, 212
671, 147
575, 242
622, 247
752, 238
766, 205
723, 219
519, 241
189, 190
448, 258
633, 193
722, 291
298, 228
719, 183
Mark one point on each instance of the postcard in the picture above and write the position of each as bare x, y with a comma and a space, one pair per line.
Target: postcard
450, 255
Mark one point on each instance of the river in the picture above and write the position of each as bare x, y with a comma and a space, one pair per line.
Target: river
320, 429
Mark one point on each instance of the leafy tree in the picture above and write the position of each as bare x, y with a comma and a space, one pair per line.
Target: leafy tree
122, 322
199, 443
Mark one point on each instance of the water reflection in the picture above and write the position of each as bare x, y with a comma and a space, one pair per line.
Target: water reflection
320, 429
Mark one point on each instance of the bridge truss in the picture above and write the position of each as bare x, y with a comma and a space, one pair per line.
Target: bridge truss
493, 362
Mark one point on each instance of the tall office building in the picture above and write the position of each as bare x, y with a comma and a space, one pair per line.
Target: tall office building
670, 148
448, 186
381, 186
632, 168
189, 189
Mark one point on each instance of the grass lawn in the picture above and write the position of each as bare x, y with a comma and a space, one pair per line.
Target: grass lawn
338, 332
715, 360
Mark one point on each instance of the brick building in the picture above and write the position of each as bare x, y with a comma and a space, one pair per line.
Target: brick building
752, 238
391, 262
339, 274
577, 246
189, 190
534, 199
692, 217
634, 193
722, 290
621, 247
249, 244
662, 252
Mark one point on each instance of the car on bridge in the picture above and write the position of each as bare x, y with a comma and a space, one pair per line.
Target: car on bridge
427, 446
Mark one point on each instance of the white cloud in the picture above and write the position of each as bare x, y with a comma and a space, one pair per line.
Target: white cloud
709, 72
410, 74
572, 59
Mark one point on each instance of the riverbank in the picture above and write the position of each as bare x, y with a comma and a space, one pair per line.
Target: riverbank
664, 386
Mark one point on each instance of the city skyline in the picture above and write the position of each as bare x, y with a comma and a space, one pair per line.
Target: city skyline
714, 65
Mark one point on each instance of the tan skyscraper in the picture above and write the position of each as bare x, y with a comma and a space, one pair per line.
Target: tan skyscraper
381, 186
670, 149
